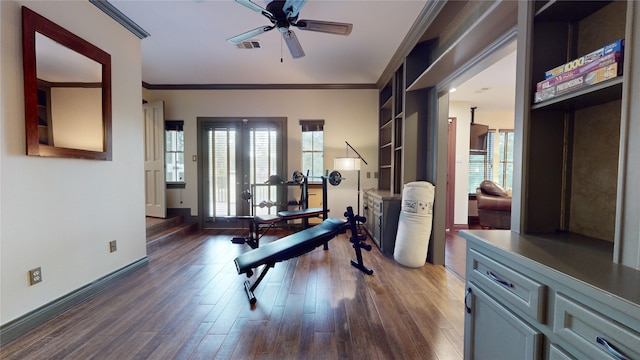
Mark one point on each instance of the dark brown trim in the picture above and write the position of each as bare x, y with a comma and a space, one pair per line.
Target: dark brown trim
258, 86
21, 325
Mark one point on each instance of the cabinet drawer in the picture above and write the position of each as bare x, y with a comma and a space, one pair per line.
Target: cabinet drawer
493, 332
556, 353
595, 334
520, 291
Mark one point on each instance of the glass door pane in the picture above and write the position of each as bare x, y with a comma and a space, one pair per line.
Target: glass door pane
221, 172
240, 156
263, 162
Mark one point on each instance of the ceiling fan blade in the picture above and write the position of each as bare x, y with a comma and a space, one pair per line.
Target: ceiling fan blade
249, 34
292, 7
257, 8
324, 26
293, 44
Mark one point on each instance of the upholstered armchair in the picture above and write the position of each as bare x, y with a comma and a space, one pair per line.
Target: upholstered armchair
494, 205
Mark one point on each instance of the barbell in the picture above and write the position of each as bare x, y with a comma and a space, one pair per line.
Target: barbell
334, 178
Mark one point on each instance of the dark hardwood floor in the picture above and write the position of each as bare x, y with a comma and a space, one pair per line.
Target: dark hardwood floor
189, 303
455, 253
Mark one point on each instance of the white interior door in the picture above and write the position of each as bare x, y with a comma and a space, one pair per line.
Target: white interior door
154, 173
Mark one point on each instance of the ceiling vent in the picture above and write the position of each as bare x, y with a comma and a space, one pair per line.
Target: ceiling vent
251, 44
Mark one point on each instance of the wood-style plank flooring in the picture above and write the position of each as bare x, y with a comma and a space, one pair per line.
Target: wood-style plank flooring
189, 303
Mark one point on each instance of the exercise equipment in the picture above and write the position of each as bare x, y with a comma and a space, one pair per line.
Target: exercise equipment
334, 178
266, 222
269, 221
255, 223
414, 224
357, 240
298, 244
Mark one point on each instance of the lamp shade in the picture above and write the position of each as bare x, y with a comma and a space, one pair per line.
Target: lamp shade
346, 163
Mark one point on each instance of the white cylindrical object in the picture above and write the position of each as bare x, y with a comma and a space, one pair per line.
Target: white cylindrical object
414, 224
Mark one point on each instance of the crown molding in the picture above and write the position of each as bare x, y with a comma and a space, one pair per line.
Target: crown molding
419, 27
121, 18
258, 86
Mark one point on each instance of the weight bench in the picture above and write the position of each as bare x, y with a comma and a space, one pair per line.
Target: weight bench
298, 244
270, 221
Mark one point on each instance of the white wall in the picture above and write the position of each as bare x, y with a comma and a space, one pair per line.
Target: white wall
60, 214
461, 111
496, 121
350, 115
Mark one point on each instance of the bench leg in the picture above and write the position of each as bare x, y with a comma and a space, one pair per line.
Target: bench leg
250, 288
253, 240
358, 245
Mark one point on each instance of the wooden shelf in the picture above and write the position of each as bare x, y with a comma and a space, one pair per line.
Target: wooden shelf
556, 10
590, 96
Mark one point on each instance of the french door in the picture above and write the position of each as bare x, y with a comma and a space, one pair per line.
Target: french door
237, 153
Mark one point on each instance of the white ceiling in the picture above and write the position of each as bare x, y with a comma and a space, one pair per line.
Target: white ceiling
493, 88
187, 46
187, 42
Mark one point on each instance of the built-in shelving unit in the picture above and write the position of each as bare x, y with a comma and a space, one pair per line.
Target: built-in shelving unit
398, 130
385, 141
573, 139
403, 125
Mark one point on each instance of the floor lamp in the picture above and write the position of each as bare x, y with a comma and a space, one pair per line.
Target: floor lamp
350, 164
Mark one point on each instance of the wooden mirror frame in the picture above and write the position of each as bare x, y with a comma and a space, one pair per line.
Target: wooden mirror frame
33, 23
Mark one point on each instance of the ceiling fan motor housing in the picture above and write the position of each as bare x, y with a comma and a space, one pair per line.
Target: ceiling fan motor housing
280, 18
283, 14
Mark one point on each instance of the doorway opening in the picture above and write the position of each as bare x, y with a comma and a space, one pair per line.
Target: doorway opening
485, 96
236, 154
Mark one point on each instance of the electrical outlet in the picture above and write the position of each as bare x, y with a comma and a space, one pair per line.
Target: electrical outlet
368, 174
112, 246
375, 174
35, 276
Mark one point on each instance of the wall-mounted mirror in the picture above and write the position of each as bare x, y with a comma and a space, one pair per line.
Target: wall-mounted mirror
67, 88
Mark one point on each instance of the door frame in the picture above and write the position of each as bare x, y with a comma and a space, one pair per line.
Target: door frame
155, 186
205, 121
451, 175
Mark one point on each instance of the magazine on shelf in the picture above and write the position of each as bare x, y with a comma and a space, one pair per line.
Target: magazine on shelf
594, 77
616, 46
615, 57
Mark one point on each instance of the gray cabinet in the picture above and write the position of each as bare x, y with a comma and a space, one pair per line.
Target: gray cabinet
530, 297
382, 210
494, 332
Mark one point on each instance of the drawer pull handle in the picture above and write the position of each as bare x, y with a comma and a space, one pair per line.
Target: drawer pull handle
495, 278
466, 306
611, 349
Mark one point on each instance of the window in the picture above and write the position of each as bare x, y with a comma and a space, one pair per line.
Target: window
505, 168
481, 165
496, 164
174, 151
312, 147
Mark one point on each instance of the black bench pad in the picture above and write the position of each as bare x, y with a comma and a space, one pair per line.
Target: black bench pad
288, 215
290, 246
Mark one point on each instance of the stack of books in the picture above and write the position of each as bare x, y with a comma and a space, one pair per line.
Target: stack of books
595, 67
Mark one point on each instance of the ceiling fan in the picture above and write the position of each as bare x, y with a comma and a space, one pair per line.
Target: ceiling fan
283, 15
